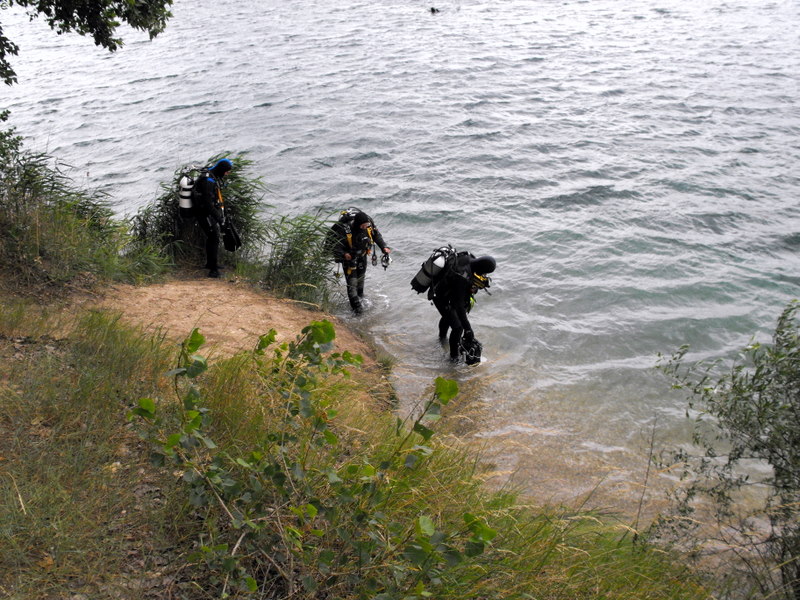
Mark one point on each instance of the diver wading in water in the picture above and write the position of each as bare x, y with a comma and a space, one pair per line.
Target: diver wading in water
452, 279
351, 240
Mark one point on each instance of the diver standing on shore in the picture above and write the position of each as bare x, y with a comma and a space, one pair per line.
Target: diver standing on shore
207, 203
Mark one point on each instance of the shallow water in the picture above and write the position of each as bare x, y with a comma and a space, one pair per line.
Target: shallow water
632, 168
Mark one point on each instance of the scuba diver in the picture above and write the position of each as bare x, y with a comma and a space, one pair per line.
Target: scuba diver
453, 295
351, 240
207, 205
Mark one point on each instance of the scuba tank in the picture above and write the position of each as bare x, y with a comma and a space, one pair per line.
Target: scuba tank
185, 186
348, 214
188, 178
432, 268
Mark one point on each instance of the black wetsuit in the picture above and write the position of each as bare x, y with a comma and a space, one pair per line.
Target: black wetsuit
205, 201
451, 297
358, 246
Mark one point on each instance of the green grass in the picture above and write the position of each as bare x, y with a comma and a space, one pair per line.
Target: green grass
70, 470
278, 473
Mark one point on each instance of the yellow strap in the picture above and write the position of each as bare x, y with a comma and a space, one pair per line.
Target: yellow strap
219, 196
369, 233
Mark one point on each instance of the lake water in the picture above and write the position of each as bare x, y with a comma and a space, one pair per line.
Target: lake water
632, 166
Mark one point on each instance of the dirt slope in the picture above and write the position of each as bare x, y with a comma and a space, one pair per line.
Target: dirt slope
230, 315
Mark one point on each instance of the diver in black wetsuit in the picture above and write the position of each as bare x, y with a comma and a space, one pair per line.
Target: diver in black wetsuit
351, 240
452, 297
207, 205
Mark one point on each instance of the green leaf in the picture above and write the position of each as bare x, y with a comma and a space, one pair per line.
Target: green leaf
265, 340
474, 547
146, 410
295, 536
415, 554
333, 477
191, 399
148, 405
199, 365
425, 526
251, 584
330, 437
193, 422
486, 533
194, 341
207, 442
446, 389
309, 584
229, 564
480, 530
453, 556
423, 431
352, 359
320, 332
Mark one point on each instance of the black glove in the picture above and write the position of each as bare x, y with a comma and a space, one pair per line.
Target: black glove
469, 335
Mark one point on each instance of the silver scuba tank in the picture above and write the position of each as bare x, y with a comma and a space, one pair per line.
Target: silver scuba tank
185, 192
431, 269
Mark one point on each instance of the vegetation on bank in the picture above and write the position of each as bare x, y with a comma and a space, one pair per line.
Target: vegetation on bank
54, 234
132, 466
741, 501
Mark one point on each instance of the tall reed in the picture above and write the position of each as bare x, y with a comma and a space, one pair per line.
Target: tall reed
54, 233
297, 262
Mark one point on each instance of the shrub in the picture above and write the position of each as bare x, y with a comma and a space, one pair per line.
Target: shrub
283, 254
296, 492
272, 448
748, 417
